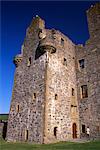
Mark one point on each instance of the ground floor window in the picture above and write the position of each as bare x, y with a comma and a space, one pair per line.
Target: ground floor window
55, 131
83, 128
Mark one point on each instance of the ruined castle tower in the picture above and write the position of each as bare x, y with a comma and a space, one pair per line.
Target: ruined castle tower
56, 86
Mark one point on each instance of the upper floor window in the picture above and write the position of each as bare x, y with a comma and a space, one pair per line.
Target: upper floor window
65, 61
29, 62
84, 91
56, 96
81, 63
34, 96
62, 41
73, 92
17, 109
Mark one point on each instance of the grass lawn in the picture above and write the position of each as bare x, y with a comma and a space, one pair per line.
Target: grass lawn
3, 116
95, 145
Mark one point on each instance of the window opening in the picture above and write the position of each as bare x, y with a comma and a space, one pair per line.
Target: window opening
84, 91
73, 92
18, 108
81, 64
26, 135
55, 131
56, 96
65, 62
29, 62
83, 128
34, 96
62, 41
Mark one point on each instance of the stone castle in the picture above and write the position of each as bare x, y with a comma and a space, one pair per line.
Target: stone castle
56, 93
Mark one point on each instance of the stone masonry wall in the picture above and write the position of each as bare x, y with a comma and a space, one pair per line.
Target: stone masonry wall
46, 101
28, 80
89, 108
61, 78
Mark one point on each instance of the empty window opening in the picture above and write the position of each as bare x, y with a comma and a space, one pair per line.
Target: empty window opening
34, 96
83, 128
73, 92
26, 135
39, 52
65, 62
62, 41
18, 108
81, 63
56, 96
84, 91
29, 62
55, 131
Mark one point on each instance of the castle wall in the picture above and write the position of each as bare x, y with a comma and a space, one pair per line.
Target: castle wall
27, 105
89, 108
47, 104
61, 78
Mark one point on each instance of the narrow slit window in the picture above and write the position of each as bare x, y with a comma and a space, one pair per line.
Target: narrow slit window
17, 108
73, 92
65, 61
55, 131
26, 135
56, 96
84, 91
34, 96
29, 62
62, 41
81, 64
83, 128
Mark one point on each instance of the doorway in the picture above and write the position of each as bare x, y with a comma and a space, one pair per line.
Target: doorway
26, 135
74, 128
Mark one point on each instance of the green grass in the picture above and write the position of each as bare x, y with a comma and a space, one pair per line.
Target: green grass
95, 145
3, 116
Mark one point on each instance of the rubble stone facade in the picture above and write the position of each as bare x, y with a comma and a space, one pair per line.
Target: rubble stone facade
56, 93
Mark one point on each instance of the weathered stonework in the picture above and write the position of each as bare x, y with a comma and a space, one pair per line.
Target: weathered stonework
46, 101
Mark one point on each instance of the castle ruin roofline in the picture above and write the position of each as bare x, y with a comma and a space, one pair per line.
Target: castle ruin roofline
94, 8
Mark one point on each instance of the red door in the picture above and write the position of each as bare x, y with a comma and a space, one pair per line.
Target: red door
74, 130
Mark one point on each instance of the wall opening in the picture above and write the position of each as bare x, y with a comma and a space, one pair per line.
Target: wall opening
55, 131
81, 63
73, 92
62, 41
34, 96
26, 135
29, 62
83, 128
39, 52
84, 91
65, 61
56, 96
74, 129
17, 109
